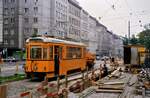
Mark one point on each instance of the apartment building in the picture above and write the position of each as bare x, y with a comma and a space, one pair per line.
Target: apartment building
101, 30
118, 46
92, 35
22, 19
84, 26
74, 15
1, 21
59, 18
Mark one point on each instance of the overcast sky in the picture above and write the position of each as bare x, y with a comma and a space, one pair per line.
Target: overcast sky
115, 14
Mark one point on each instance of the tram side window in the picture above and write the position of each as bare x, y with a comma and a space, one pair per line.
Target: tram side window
44, 53
51, 53
79, 52
69, 53
73, 53
36, 53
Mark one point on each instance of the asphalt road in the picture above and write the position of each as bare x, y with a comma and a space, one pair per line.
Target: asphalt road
9, 68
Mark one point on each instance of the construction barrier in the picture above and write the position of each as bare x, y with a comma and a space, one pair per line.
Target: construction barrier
52, 90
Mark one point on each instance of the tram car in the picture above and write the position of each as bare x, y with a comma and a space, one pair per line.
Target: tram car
50, 57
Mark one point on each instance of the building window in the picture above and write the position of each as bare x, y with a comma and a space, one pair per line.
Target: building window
5, 42
26, 30
12, 42
35, 30
12, 1
26, 20
12, 20
5, 11
36, 9
12, 32
6, 1
35, 20
35, 1
26, 10
5, 32
6, 21
12, 10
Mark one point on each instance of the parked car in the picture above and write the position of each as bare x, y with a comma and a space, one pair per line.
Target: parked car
10, 59
104, 58
97, 57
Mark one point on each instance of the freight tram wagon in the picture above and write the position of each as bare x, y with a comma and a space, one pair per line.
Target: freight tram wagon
51, 57
134, 57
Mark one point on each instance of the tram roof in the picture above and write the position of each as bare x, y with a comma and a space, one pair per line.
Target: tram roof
54, 40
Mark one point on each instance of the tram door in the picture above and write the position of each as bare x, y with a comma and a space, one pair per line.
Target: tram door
57, 58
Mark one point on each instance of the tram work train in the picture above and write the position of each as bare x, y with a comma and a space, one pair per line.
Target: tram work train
50, 57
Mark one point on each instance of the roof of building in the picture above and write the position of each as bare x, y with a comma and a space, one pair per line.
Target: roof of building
54, 40
75, 3
85, 12
99, 24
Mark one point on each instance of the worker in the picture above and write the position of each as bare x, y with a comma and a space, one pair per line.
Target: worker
101, 71
105, 70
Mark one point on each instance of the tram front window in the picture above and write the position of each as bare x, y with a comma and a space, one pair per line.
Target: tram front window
36, 53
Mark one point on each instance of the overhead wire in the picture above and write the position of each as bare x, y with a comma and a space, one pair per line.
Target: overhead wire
111, 6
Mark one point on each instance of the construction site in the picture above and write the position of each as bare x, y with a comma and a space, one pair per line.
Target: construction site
120, 81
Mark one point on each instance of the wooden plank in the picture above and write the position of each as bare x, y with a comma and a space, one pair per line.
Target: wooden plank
114, 83
108, 91
3, 91
111, 87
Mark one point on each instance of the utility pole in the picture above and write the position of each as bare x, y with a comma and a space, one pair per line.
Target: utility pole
128, 31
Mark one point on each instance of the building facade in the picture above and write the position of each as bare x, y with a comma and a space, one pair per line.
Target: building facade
22, 19
74, 15
1, 21
84, 26
118, 46
59, 18
101, 30
92, 35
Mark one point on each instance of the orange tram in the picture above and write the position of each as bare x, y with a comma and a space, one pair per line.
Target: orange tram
51, 57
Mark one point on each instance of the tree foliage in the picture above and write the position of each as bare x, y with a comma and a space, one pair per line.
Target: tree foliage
144, 38
125, 40
133, 40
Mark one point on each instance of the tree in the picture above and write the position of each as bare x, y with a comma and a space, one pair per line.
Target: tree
144, 38
125, 40
133, 40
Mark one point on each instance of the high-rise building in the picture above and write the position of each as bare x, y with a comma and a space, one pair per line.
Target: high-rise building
74, 20
22, 19
92, 35
1, 21
59, 18
84, 26
101, 30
